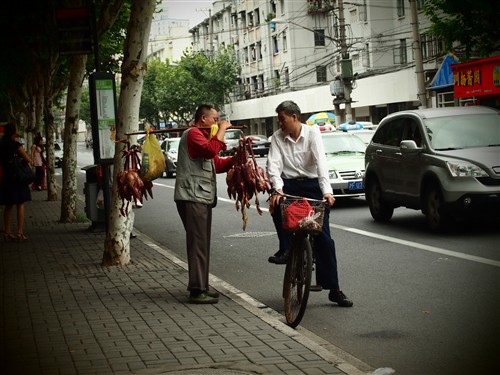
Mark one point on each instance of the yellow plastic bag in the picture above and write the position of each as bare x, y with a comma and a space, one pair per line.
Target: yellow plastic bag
153, 161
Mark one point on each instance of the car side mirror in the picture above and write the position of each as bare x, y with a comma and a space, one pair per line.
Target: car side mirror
409, 147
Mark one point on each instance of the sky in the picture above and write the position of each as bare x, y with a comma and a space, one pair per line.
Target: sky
194, 11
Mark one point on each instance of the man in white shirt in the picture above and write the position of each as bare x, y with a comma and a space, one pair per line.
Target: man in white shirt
296, 165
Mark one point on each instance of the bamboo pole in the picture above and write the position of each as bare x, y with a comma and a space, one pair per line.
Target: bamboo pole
169, 130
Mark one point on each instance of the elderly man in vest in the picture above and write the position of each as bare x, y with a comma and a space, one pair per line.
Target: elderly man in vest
195, 194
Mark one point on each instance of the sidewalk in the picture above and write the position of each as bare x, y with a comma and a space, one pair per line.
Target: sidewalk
62, 313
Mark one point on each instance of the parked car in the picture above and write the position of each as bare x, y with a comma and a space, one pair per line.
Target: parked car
232, 138
366, 135
58, 155
260, 144
443, 161
170, 147
345, 155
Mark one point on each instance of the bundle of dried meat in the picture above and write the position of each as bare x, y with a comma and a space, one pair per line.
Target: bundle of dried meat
130, 185
246, 179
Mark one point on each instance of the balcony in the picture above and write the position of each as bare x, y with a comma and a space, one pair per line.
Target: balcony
319, 6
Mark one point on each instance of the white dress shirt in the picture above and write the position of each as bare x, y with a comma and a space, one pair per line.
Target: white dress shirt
303, 158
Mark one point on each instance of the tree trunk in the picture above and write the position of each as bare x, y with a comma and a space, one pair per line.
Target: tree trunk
117, 243
73, 101
52, 186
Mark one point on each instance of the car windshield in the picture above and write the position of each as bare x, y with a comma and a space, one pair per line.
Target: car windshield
232, 135
173, 144
468, 131
343, 143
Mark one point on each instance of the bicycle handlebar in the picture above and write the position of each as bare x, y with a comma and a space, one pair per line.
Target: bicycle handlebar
299, 197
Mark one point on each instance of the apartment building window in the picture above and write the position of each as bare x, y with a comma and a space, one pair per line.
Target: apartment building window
259, 50
287, 77
431, 47
355, 60
275, 45
420, 4
250, 20
245, 54
400, 4
319, 37
400, 53
366, 56
253, 52
284, 41
321, 73
353, 15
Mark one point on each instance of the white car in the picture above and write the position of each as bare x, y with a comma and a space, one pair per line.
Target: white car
58, 155
345, 155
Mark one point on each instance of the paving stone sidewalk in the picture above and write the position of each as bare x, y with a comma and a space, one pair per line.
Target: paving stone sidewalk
63, 313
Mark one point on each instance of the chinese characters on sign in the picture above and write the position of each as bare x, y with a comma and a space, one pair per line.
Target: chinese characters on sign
480, 78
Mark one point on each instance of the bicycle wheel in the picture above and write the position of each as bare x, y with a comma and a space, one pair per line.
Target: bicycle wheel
297, 280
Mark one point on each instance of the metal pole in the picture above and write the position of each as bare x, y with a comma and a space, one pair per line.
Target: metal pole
104, 166
345, 56
211, 34
419, 66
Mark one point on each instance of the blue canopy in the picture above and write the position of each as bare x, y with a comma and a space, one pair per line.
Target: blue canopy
444, 75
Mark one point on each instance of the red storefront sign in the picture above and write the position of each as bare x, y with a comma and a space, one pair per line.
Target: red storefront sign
479, 78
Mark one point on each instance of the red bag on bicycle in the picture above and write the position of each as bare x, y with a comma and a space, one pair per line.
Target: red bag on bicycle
295, 212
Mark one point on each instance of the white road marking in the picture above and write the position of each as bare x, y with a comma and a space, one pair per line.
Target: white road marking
416, 245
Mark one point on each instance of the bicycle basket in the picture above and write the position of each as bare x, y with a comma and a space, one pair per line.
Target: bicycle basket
302, 215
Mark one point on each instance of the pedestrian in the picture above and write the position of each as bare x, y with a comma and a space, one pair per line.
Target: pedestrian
195, 195
44, 164
296, 165
11, 193
36, 157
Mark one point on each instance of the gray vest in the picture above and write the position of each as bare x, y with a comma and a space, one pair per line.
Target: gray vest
196, 178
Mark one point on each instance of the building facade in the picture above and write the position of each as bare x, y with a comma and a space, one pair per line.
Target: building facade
296, 50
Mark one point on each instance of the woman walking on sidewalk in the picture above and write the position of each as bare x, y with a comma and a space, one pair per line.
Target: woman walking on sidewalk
37, 159
11, 193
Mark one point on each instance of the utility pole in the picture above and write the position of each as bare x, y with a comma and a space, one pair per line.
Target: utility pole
419, 66
342, 86
211, 34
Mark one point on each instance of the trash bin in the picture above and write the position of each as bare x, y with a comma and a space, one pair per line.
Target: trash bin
94, 212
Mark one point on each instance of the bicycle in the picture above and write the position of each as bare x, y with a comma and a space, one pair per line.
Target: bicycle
303, 218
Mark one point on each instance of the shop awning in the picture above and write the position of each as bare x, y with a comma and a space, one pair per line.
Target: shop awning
444, 75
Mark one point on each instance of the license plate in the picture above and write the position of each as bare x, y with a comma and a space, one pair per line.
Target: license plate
355, 185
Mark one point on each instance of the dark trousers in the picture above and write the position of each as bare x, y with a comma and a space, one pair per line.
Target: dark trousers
197, 220
38, 176
324, 245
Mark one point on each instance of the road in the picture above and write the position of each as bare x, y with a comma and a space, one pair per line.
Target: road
423, 303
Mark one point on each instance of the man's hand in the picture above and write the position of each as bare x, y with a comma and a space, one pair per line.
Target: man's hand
274, 199
223, 126
330, 199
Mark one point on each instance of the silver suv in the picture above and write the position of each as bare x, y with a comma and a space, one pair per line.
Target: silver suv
443, 161
232, 138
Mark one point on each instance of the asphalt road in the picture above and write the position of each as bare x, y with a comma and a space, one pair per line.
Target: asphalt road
423, 303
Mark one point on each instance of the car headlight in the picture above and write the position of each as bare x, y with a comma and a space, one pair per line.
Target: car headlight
332, 174
465, 169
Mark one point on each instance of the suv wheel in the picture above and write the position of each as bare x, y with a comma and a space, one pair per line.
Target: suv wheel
437, 218
380, 210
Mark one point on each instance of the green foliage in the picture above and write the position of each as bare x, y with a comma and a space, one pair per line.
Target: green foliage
472, 23
174, 91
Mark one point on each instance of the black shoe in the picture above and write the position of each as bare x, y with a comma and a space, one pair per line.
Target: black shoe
280, 257
212, 293
315, 288
202, 299
132, 236
340, 298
